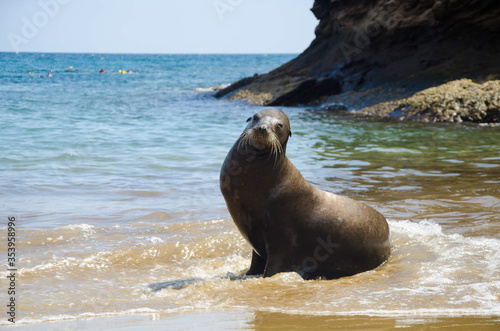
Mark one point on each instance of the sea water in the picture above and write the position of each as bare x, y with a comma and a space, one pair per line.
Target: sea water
113, 180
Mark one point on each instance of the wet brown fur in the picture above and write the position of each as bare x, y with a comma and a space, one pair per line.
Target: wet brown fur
291, 225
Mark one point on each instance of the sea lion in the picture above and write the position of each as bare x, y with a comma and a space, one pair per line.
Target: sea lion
291, 225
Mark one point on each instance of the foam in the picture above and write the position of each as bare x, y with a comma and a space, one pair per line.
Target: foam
430, 273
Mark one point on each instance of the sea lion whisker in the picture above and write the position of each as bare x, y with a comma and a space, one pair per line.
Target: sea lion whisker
276, 149
244, 139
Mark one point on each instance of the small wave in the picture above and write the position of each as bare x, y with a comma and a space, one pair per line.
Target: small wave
430, 273
165, 245
205, 89
211, 88
85, 228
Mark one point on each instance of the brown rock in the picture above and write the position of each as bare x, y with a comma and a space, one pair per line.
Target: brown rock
363, 44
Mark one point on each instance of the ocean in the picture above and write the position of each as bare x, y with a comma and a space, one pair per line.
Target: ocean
113, 181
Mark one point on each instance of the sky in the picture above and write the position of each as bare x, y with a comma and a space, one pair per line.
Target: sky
156, 26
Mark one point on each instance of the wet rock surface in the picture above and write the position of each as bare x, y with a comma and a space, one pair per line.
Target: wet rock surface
456, 101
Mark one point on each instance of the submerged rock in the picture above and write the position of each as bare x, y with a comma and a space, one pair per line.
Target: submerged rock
365, 45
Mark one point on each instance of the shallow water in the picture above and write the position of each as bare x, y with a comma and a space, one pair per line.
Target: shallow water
113, 180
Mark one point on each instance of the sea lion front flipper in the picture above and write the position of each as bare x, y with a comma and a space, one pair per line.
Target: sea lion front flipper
258, 265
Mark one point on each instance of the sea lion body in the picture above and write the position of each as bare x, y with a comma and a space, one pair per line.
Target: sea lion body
291, 225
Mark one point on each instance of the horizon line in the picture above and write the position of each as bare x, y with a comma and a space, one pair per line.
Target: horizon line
139, 53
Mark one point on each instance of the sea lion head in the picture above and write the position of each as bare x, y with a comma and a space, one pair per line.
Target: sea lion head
267, 132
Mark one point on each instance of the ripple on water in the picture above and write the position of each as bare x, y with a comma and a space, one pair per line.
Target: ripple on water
429, 273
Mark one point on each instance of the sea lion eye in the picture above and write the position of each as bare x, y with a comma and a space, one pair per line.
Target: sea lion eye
255, 117
280, 125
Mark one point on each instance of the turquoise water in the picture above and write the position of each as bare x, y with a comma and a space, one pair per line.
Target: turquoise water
80, 143
114, 182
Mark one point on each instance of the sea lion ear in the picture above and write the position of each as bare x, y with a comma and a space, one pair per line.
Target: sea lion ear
290, 134
248, 119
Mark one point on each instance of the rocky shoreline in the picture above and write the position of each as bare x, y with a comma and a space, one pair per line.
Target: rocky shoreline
432, 61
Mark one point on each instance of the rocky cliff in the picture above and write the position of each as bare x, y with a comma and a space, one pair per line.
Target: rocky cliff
369, 53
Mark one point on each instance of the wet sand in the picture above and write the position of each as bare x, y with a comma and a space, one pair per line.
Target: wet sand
241, 320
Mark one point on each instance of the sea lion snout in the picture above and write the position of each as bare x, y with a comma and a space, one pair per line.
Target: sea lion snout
262, 137
262, 128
